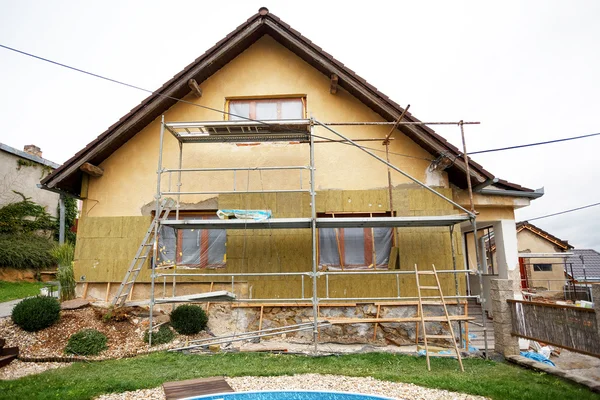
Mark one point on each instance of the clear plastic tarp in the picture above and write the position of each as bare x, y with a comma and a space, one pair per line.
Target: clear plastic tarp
354, 248
192, 248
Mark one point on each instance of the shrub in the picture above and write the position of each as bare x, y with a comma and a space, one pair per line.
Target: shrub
188, 319
164, 335
87, 342
36, 313
25, 251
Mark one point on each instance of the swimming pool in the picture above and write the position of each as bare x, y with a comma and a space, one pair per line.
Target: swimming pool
289, 395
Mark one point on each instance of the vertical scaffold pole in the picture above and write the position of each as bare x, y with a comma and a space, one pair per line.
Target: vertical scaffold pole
475, 238
156, 229
313, 227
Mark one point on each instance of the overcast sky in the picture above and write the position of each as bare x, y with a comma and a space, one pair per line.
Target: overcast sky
528, 70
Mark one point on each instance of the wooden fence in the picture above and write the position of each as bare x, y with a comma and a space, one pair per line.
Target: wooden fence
569, 327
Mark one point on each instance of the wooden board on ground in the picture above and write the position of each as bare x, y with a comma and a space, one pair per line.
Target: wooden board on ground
195, 387
221, 295
260, 347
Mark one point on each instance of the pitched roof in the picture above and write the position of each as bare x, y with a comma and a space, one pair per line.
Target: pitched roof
68, 176
563, 244
27, 156
591, 259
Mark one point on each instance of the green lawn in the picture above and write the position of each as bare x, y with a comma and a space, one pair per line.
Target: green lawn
18, 290
487, 378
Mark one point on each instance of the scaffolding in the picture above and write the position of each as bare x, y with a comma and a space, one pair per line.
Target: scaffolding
302, 131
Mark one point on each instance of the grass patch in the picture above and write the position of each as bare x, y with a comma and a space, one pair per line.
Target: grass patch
486, 378
19, 290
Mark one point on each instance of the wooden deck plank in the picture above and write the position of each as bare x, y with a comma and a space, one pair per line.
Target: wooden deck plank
195, 387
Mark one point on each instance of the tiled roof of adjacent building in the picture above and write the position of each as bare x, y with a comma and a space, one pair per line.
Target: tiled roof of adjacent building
588, 257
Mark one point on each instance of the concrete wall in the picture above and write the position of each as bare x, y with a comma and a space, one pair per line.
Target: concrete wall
24, 178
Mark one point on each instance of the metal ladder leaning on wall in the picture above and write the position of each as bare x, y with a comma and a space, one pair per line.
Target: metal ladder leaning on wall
143, 253
445, 318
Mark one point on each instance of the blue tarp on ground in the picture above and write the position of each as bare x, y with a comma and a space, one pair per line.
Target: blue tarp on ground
537, 357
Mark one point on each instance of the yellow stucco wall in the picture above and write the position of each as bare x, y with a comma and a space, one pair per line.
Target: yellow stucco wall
266, 68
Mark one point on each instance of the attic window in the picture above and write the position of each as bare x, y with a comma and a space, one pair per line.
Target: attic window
267, 109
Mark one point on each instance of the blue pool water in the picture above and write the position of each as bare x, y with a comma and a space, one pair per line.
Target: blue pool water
289, 395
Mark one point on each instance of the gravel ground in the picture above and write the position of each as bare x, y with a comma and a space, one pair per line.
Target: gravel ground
124, 337
18, 369
405, 391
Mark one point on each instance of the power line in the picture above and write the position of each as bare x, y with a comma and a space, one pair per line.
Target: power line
172, 97
533, 144
564, 212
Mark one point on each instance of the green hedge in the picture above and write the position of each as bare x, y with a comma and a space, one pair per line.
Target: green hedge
25, 252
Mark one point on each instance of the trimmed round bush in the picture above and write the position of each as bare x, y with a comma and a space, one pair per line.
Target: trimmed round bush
164, 335
36, 313
188, 319
86, 342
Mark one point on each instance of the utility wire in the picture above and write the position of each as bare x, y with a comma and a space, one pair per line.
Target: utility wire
564, 212
171, 97
533, 144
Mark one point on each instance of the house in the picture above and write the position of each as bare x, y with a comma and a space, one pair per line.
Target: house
542, 259
21, 174
265, 70
583, 269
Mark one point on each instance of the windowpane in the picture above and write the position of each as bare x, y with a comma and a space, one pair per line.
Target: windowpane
328, 249
190, 246
266, 110
354, 246
383, 244
239, 108
217, 239
292, 109
193, 247
542, 267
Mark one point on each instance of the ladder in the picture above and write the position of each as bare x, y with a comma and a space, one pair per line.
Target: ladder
143, 253
445, 318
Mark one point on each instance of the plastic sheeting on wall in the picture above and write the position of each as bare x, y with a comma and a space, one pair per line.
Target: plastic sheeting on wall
192, 248
354, 247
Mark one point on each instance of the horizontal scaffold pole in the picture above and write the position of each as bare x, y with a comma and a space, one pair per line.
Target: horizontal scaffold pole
349, 123
392, 166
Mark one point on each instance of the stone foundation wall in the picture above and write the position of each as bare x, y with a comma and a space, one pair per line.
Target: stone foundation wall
227, 319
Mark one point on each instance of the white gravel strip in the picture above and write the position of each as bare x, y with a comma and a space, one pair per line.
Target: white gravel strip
403, 391
18, 369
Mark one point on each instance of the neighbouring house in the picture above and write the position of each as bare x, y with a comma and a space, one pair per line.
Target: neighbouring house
21, 172
265, 70
546, 272
583, 270
541, 259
